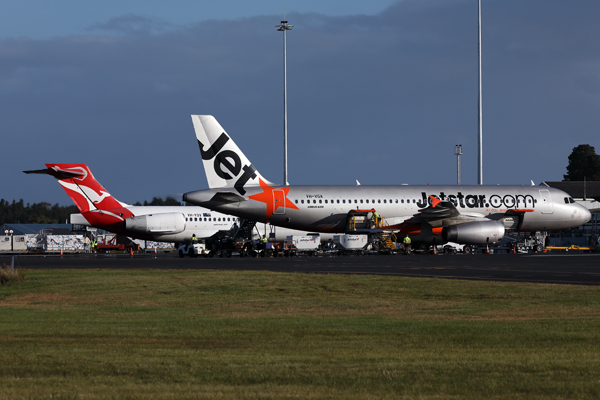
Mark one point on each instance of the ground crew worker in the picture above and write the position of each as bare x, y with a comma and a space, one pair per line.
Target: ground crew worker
93, 245
375, 217
263, 242
194, 239
406, 242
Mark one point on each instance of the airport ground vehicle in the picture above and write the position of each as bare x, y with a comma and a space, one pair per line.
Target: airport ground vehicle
114, 242
351, 244
298, 245
192, 249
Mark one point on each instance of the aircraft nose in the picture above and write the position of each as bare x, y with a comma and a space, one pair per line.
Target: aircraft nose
587, 215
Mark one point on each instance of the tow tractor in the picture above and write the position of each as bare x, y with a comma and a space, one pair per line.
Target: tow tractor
192, 249
113, 242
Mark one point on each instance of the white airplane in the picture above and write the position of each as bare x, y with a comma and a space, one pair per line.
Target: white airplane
157, 223
476, 215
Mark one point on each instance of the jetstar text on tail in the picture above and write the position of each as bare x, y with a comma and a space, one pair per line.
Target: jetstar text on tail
228, 162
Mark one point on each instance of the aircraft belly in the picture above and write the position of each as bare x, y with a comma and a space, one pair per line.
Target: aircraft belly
314, 221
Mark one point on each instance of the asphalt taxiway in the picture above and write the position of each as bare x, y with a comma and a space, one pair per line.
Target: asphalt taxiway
559, 268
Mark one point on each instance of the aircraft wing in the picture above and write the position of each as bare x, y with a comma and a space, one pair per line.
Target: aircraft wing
437, 210
445, 213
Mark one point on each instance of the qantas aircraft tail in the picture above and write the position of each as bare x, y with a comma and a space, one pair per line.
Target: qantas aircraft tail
224, 163
81, 186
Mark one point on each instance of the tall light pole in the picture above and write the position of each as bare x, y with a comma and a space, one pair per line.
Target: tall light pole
284, 27
480, 117
458, 153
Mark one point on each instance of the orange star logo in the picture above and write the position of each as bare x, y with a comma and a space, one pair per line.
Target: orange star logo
273, 198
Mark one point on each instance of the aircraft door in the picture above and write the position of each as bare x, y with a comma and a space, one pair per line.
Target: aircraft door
546, 202
278, 202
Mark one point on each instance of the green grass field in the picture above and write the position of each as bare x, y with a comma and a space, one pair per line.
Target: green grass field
72, 334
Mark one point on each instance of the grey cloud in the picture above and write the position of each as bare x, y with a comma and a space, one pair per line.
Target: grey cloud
399, 87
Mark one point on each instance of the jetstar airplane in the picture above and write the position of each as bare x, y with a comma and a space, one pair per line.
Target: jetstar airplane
157, 223
429, 214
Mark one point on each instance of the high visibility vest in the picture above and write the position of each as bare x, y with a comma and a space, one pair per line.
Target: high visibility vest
264, 240
406, 240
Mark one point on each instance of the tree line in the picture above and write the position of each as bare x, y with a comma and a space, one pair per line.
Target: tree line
17, 212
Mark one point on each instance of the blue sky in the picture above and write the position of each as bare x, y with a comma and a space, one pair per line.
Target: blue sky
378, 91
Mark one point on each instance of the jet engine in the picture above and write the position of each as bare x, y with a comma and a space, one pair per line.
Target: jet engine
476, 232
156, 223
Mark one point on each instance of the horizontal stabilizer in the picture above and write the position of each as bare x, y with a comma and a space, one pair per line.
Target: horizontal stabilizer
57, 173
227, 198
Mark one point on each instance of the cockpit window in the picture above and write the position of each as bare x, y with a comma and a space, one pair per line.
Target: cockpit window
571, 200
566, 200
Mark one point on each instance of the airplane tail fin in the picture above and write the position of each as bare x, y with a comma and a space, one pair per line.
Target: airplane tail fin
224, 163
81, 186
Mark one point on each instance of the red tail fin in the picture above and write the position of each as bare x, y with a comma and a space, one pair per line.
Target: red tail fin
81, 186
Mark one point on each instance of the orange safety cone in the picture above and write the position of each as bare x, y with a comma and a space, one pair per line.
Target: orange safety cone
434, 250
487, 249
514, 250
131, 251
155, 250
61, 253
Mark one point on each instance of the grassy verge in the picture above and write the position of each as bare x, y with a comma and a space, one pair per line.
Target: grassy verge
7, 276
216, 334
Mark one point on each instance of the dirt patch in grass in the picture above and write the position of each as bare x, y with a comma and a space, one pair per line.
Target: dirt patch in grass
44, 300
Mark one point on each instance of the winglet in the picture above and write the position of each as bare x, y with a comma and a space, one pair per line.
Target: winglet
434, 200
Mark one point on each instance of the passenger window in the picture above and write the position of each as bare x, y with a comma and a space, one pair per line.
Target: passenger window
355, 201
384, 201
402, 201
338, 202
325, 201
379, 201
396, 201
361, 201
344, 201
314, 202
296, 201
302, 201
320, 201
367, 201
